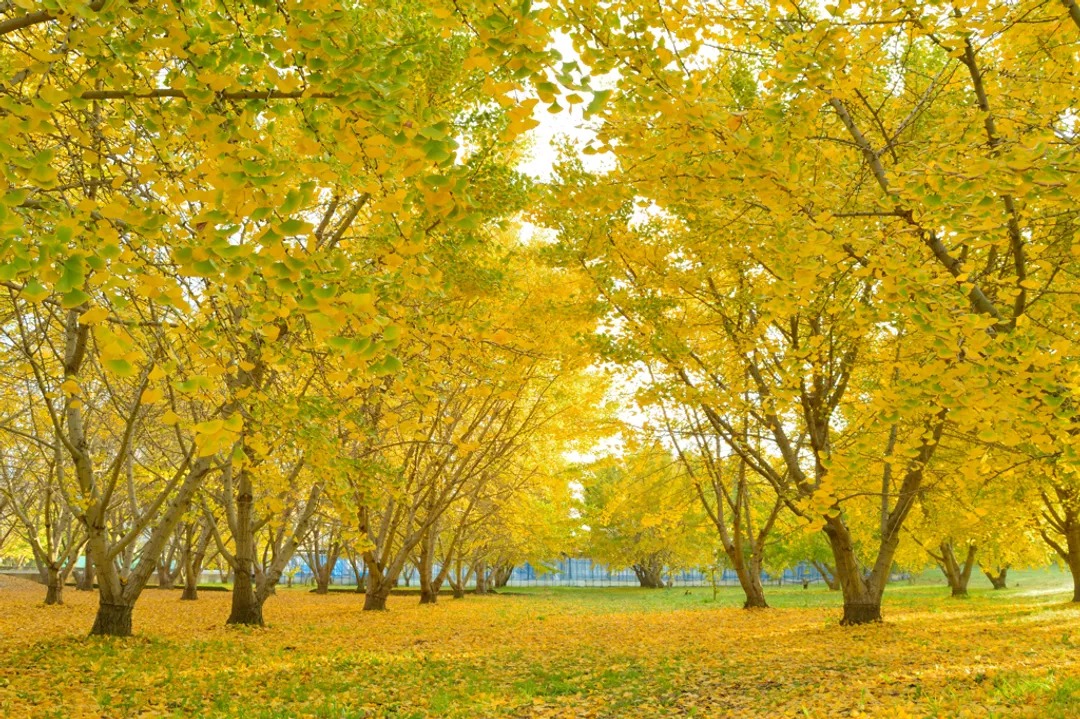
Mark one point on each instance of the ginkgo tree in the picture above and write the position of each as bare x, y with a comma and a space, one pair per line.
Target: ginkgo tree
640, 512
743, 511
841, 200
33, 491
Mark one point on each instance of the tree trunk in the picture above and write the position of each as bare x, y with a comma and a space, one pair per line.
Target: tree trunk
86, 579
192, 570
113, 620
502, 575
828, 575
426, 568
246, 607
42, 569
956, 574
861, 612
646, 579
375, 600
429, 592
322, 570
166, 579
748, 571
361, 577
961, 588
862, 600
1064, 521
54, 594
481, 578
749, 574
261, 583
458, 579
997, 580
381, 579
755, 594
1072, 539
650, 573
429, 586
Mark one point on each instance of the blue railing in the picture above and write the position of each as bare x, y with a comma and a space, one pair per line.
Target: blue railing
574, 571
584, 572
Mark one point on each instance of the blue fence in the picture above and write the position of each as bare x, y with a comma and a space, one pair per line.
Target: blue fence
574, 572
583, 572
301, 574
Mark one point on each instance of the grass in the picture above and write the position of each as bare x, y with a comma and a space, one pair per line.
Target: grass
926, 591
537, 652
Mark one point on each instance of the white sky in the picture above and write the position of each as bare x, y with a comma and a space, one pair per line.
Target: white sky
569, 124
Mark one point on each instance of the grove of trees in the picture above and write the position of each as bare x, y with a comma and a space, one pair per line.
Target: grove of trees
266, 293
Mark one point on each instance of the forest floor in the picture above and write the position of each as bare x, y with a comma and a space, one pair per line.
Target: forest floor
551, 653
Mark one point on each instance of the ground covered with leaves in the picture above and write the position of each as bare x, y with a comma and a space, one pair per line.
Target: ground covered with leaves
554, 652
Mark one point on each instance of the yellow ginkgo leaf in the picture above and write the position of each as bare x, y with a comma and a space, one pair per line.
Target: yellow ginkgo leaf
151, 395
93, 315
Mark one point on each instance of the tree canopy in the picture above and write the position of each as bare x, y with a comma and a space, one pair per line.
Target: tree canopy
274, 284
